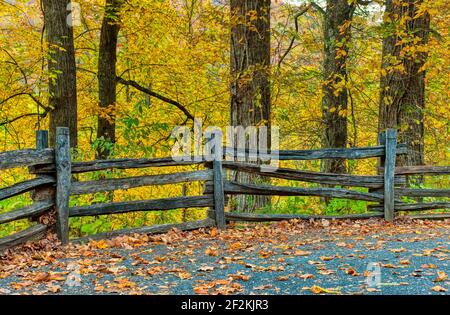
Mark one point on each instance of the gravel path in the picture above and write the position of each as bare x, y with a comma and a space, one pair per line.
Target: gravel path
410, 263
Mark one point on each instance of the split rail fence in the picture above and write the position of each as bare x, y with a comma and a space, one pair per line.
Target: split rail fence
54, 184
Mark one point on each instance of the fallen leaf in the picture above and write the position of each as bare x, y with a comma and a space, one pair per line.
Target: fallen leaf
318, 290
184, 275
441, 276
327, 258
438, 289
212, 252
301, 253
405, 262
351, 271
282, 278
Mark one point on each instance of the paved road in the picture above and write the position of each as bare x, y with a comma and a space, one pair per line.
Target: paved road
411, 263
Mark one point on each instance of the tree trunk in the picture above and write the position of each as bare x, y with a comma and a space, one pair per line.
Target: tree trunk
402, 96
62, 68
337, 35
250, 71
107, 57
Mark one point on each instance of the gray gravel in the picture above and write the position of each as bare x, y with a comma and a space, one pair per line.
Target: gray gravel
408, 265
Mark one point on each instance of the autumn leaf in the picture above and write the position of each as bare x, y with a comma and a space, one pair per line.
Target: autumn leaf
438, 289
318, 290
373, 290
100, 244
398, 250
389, 266
235, 246
301, 253
441, 276
405, 262
184, 275
282, 278
212, 252
351, 271
327, 258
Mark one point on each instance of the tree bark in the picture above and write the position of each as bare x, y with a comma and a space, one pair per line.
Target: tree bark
337, 35
250, 71
62, 69
402, 84
107, 82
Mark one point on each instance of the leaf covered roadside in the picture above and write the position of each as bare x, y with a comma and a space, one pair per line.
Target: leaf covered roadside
295, 257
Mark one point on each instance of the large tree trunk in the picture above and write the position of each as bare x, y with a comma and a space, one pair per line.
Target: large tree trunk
250, 71
107, 57
337, 35
62, 68
402, 97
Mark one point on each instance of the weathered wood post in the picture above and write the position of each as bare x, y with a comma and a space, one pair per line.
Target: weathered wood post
45, 193
63, 181
219, 197
41, 139
389, 173
218, 214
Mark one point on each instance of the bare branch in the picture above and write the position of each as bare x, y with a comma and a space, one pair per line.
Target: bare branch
296, 16
317, 7
34, 98
157, 95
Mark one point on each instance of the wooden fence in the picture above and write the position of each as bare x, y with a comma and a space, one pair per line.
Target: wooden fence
54, 185
42, 202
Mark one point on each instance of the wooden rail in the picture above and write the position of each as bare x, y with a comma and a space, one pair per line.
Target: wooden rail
89, 187
27, 157
31, 233
33, 210
126, 163
54, 185
235, 188
422, 170
332, 153
143, 205
25, 186
155, 229
255, 217
313, 177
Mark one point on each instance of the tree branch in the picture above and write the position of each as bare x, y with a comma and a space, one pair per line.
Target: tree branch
9, 121
317, 7
145, 90
34, 98
296, 16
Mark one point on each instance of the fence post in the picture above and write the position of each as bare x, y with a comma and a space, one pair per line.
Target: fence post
42, 193
218, 214
41, 139
389, 173
63, 181
219, 197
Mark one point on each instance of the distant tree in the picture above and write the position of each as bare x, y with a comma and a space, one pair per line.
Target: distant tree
337, 17
107, 81
402, 99
62, 87
250, 67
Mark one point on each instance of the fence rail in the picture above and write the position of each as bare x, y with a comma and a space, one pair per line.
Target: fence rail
40, 205
54, 184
